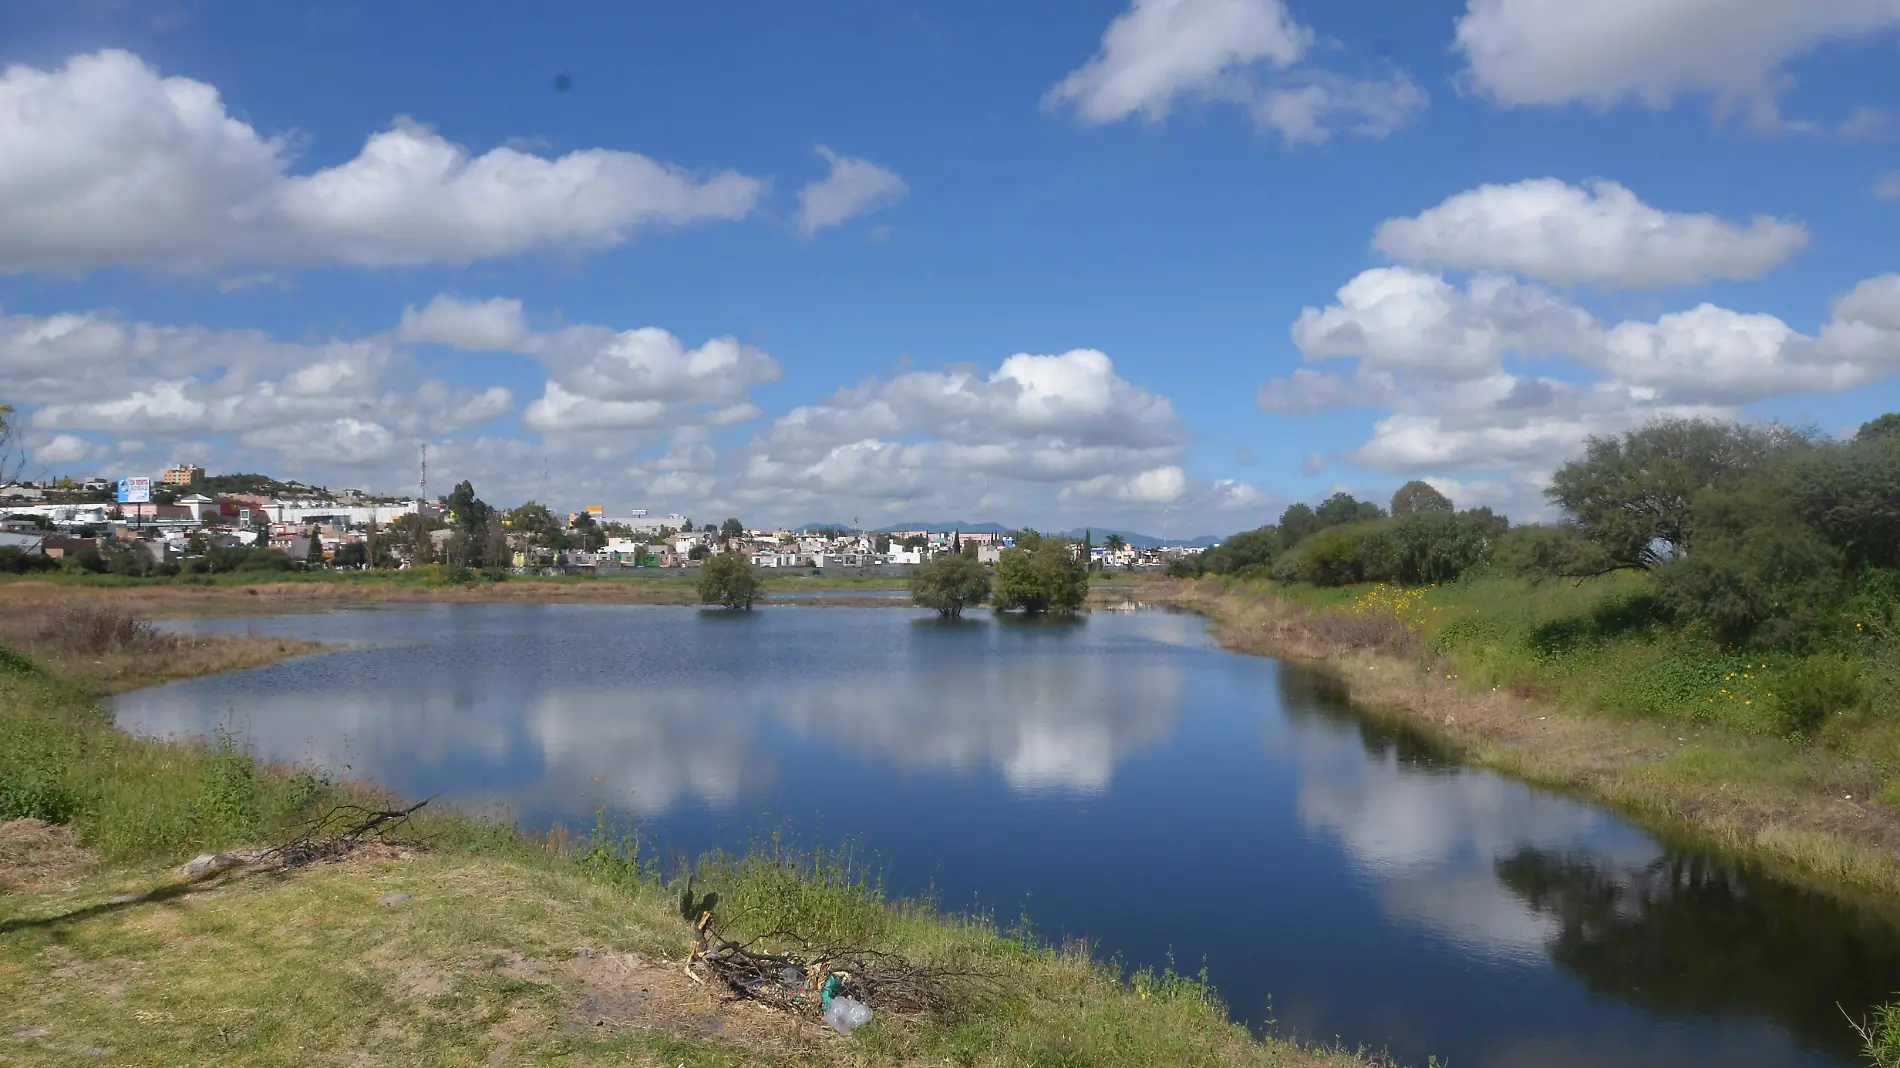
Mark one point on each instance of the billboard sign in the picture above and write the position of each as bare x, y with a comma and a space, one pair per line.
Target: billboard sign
639, 513
135, 490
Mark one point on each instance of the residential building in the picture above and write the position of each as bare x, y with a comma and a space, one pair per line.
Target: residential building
182, 475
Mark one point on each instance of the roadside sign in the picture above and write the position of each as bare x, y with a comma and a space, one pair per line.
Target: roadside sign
135, 490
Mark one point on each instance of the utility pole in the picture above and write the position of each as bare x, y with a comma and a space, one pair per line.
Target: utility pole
422, 494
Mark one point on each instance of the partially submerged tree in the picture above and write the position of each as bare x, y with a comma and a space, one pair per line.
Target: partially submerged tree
1048, 579
730, 579
950, 584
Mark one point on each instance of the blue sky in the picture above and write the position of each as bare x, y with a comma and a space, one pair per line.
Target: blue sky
1168, 265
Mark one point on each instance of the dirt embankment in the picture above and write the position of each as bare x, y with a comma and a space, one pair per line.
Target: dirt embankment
1714, 788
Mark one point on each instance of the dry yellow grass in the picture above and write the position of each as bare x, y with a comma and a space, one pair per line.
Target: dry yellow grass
1711, 786
397, 957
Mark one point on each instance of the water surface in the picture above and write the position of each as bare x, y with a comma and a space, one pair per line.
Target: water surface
1119, 779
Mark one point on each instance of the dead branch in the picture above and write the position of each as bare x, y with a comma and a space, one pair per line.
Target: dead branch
340, 832
790, 980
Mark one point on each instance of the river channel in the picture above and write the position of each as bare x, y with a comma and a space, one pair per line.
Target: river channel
1120, 779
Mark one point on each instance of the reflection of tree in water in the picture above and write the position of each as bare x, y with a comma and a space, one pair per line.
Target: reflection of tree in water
1684, 935
1313, 693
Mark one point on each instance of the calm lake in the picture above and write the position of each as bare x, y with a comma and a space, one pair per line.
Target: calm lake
1120, 779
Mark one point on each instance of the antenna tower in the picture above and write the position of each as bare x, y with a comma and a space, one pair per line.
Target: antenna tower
422, 483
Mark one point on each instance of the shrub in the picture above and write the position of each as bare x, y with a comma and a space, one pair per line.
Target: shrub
1335, 556
1769, 583
17, 561
1431, 546
1818, 687
1541, 551
93, 629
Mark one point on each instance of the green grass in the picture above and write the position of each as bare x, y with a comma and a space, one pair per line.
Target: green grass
481, 962
1609, 645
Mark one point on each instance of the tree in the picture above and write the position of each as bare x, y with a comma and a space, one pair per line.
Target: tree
731, 580
313, 555
1114, 543
883, 543
950, 584
585, 534
731, 529
1048, 578
916, 541
537, 524
1885, 426
1343, 508
1296, 523
698, 552
1418, 497
352, 554
495, 550
1026, 538
12, 456
468, 516
1633, 495
1249, 550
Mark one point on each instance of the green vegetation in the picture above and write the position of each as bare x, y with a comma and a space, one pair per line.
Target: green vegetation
949, 584
1041, 575
467, 941
730, 579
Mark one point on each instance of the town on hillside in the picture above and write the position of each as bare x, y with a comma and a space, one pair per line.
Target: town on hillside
185, 521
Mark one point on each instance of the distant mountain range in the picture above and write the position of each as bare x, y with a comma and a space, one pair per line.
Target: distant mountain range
1134, 538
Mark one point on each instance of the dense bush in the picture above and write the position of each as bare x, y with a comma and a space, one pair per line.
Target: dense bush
1424, 547
17, 561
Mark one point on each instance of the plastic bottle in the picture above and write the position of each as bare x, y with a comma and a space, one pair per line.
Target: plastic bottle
846, 1015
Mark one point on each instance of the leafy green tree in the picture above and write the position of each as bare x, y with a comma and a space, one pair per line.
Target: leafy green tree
1027, 538
313, 553
1885, 426
1047, 579
1850, 495
949, 584
535, 522
731, 529
1418, 497
1539, 551
1296, 523
1432, 546
1249, 550
1343, 508
883, 543
586, 535
1115, 543
730, 579
698, 552
1634, 495
1332, 556
469, 517
1755, 574
352, 554
916, 541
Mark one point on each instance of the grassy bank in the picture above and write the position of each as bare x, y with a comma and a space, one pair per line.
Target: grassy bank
1792, 760
461, 942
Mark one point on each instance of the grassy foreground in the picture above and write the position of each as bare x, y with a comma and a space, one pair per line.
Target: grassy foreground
464, 943
1793, 761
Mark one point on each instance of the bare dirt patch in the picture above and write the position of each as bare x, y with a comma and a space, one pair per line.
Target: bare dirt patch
38, 856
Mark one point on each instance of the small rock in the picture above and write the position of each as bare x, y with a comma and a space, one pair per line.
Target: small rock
94, 1051
209, 863
33, 1032
123, 899
1450, 719
393, 899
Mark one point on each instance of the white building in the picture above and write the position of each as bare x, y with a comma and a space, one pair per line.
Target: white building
305, 512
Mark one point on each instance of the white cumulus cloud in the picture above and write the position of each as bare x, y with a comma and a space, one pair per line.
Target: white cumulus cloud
1245, 52
1597, 233
1604, 52
854, 187
105, 162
